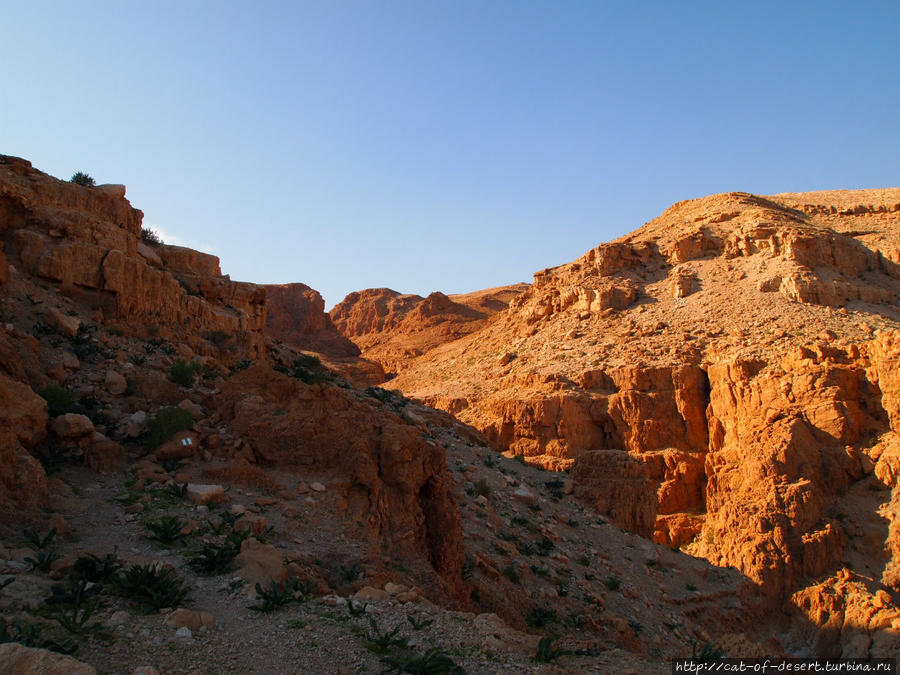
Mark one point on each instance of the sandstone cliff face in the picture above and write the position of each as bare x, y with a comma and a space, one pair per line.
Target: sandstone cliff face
393, 328
295, 314
743, 348
88, 239
23, 422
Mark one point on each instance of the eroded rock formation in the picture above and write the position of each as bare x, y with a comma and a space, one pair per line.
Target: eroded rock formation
295, 314
393, 328
88, 240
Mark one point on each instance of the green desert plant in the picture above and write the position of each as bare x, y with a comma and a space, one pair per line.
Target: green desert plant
150, 236
179, 491
82, 178
28, 634
613, 583
418, 624
151, 587
380, 641
183, 373
356, 610
215, 558
166, 530
42, 560
95, 569
37, 541
59, 400
278, 595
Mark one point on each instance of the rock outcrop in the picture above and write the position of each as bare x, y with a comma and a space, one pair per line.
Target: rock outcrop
393, 328
295, 314
88, 240
389, 475
23, 424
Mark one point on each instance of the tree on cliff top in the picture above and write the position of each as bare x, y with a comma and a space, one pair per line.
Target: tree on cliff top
82, 178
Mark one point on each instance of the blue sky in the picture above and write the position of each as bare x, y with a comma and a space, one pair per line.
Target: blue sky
451, 145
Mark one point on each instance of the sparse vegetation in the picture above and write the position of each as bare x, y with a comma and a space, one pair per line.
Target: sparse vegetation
59, 401
380, 641
151, 237
613, 583
308, 369
82, 178
166, 530
539, 617
42, 560
183, 373
165, 424
37, 540
151, 587
278, 595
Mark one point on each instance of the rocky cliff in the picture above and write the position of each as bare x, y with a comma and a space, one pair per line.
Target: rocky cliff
393, 328
740, 348
295, 314
88, 241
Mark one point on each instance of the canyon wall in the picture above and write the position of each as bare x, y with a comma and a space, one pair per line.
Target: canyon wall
88, 241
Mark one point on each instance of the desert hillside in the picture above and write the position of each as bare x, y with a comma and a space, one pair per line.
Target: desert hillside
185, 492
723, 379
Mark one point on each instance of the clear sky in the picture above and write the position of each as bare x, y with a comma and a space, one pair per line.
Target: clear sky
443, 145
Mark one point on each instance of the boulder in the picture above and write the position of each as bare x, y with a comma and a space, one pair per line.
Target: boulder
205, 494
64, 324
105, 456
18, 660
189, 618
115, 383
72, 426
182, 445
260, 563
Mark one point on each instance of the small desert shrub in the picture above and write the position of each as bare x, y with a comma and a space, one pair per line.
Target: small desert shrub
82, 178
151, 587
308, 369
278, 595
42, 560
166, 530
165, 424
37, 540
613, 583
150, 236
59, 400
183, 373
380, 641
539, 617
95, 569
215, 558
